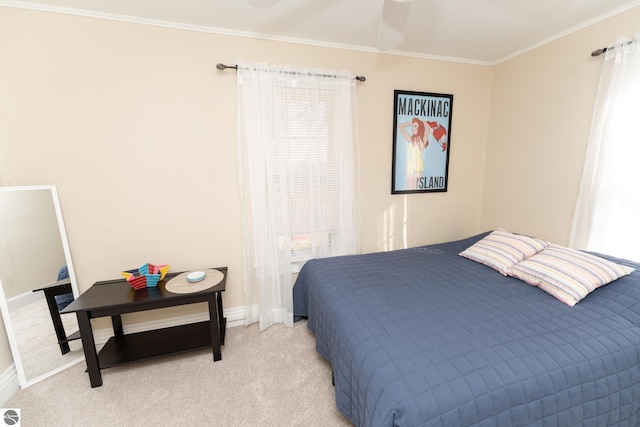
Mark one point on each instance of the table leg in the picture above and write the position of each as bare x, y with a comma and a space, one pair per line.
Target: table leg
57, 322
116, 321
222, 321
89, 347
214, 328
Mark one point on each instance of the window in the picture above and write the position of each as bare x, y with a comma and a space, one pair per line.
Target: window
308, 186
606, 214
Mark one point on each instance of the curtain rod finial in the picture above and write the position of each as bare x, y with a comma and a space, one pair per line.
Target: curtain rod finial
599, 52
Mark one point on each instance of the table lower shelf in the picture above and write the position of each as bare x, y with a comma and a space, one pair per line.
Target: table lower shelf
146, 345
69, 338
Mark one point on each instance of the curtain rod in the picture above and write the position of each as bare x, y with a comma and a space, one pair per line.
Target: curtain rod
221, 66
599, 52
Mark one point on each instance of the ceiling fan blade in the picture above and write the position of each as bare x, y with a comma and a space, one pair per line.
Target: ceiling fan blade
393, 22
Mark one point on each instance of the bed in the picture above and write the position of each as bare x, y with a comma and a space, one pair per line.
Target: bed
425, 337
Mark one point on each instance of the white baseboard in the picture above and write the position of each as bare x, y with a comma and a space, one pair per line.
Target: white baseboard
23, 300
8, 384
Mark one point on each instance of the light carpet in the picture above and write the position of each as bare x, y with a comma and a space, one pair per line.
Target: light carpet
273, 378
37, 341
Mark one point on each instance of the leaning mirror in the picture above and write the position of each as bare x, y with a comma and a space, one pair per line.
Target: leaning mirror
36, 281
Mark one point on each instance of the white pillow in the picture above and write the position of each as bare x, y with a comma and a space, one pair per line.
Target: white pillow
501, 249
568, 274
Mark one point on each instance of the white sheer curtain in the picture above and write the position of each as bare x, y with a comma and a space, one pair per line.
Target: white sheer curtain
608, 208
297, 155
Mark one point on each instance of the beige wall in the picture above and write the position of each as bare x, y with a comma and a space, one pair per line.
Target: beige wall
133, 123
541, 109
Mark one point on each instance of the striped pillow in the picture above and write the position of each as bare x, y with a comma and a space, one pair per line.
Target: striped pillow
501, 250
568, 274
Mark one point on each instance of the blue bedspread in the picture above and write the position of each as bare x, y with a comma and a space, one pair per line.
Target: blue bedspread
424, 337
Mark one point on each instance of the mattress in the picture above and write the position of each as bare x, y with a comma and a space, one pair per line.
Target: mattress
424, 337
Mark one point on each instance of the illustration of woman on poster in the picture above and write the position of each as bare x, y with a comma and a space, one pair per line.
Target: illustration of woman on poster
417, 141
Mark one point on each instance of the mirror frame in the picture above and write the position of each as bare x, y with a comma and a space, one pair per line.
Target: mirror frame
15, 352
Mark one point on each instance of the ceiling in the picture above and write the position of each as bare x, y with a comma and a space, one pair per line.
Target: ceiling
476, 31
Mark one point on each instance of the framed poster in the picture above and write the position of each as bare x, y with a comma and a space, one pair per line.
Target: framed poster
421, 141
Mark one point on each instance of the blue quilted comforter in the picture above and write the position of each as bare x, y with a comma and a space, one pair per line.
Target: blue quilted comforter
424, 337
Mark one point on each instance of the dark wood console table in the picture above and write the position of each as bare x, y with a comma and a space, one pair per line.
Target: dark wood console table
116, 297
52, 290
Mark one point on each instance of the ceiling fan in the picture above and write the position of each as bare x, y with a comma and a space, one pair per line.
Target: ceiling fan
392, 26
393, 21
